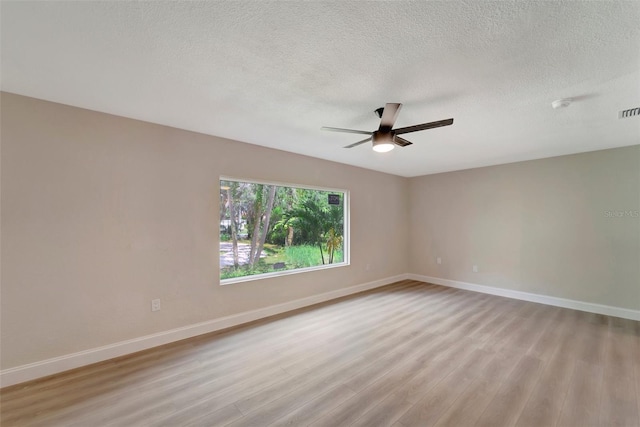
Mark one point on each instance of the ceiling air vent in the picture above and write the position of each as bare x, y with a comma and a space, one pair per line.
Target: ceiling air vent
629, 113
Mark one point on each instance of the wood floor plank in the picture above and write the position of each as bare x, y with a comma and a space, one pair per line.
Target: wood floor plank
384, 354
447, 360
316, 407
408, 354
618, 404
287, 404
350, 410
552, 333
516, 332
502, 365
507, 404
327, 355
438, 399
385, 375
200, 416
385, 413
376, 391
581, 406
468, 407
408, 351
545, 403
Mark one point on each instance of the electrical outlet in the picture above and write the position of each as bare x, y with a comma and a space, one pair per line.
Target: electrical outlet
439, 260
475, 268
368, 267
155, 304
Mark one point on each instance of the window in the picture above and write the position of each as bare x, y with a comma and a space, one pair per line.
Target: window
270, 229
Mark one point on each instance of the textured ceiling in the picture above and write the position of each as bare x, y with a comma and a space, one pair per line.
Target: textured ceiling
272, 73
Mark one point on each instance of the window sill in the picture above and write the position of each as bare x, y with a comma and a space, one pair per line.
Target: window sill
255, 277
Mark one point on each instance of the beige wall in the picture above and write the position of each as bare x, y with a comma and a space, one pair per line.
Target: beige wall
540, 226
101, 214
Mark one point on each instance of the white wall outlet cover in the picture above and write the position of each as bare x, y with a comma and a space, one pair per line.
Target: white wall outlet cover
155, 305
439, 260
475, 268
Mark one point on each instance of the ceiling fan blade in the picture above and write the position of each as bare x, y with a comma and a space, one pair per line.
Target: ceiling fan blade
389, 116
358, 143
423, 126
363, 132
401, 141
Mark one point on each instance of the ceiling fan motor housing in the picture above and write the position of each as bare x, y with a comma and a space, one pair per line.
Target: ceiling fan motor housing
383, 141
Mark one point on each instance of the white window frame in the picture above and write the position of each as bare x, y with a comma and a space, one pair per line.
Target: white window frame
346, 242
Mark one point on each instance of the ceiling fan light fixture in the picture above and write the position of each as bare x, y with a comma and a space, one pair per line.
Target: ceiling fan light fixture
382, 142
386, 137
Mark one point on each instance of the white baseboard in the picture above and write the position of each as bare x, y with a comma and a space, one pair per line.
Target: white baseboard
59, 364
56, 365
624, 313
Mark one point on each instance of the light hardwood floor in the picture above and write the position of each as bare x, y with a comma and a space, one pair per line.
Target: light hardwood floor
409, 354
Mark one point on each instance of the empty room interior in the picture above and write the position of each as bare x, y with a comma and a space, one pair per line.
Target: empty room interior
320, 213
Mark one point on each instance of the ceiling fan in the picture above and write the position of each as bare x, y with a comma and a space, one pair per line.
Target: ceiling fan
385, 137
